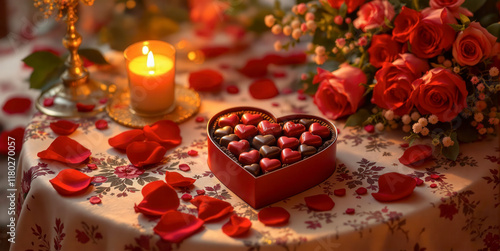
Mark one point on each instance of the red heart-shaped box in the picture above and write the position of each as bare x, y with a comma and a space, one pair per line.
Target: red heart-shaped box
278, 184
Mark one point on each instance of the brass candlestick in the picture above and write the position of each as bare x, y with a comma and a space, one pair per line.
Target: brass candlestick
77, 86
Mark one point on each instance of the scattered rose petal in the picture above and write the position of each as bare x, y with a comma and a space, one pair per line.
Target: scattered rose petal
416, 155
350, 211
63, 127
435, 176
186, 197
370, 128
192, 153
339, 192
236, 226
200, 192
206, 80
301, 97
275, 104
165, 132
103, 101
419, 181
320, 202
95, 200
271, 216
287, 90
65, 150
211, 209
394, 186
145, 153
122, 140
214, 51
361, 191
92, 166
176, 179
101, 124
84, 107
17, 134
263, 89
184, 167
175, 226
70, 182
17, 105
159, 198
254, 68
404, 145
224, 66
434, 185
279, 74
199, 119
48, 102
232, 89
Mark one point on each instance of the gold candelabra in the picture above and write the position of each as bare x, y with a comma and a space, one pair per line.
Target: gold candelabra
77, 86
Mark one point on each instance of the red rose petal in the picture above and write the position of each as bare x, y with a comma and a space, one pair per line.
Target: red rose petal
320, 202
48, 102
301, 97
165, 132
232, 89
192, 153
272, 216
159, 198
416, 155
263, 89
145, 153
433, 185
279, 74
64, 127
101, 124
419, 181
95, 200
184, 167
84, 107
350, 211
92, 166
206, 80
17, 105
176, 179
65, 150
122, 140
361, 191
254, 68
200, 192
404, 145
211, 209
236, 226
394, 186
275, 104
70, 182
186, 197
214, 51
16, 135
175, 226
287, 90
103, 101
435, 176
369, 128
199, 119
339, 192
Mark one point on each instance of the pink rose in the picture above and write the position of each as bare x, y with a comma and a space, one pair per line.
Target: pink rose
383, 49
440, 92
341, 94
433, 33
352, 5
394, 83
473, 45
452, 5
373, 14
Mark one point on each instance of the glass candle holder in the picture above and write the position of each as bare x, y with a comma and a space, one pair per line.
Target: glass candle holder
151, 75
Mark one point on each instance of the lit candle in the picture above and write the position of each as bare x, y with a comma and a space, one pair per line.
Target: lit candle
151, 74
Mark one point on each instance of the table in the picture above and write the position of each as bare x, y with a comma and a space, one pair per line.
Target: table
464, 205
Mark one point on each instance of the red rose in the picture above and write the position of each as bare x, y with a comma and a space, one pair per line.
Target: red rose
433, 33
352, 5
394, 83
404, 24
440, 92
373, 14
383, 49
452, 5
473, 45
342, 94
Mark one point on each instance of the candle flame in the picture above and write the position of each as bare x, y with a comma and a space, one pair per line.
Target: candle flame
145, 50
151, 62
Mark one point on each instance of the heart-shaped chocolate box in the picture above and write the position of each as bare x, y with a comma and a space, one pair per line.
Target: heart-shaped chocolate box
276, 185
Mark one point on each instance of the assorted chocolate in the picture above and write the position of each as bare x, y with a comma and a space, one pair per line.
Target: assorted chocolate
262, 146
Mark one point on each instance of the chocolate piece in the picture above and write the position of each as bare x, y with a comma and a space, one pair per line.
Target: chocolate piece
288, 142
245, 131
310, 139
272, 152
306, 122
251, 119
265, 127
238, 147
253, 169
306, 150
223, 131
232, 120
224, 141
289, 156
318, 129
250, 157
268, 165
293, 130
263, 140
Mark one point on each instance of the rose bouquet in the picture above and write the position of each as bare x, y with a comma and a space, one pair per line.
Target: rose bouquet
430, 69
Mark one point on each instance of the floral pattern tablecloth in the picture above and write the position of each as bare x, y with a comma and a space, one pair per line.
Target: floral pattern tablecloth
461, 213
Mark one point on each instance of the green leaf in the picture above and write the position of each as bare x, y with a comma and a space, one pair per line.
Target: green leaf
46, 67
494, 29
343, 10
93, 56
464, 19
473, 5
357, 118
451, 152
42, 59
457, 27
